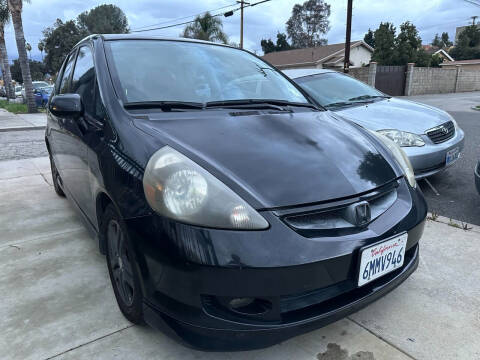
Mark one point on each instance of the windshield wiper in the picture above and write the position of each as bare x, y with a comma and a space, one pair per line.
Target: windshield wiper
365, 97
340, 103
258, 103
164, 105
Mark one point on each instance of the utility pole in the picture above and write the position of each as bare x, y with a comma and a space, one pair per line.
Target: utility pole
346, 63
242, 3
473, 19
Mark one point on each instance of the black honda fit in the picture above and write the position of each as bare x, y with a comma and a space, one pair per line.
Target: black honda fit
233, 213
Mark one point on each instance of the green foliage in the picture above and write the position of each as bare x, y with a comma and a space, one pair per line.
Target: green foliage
369, 38
103, 19
4, 12
206, 27
437, 41
308, 23
61, 37
407, 44
37, 70
282, 44
12, 107
445, 40
58, 41
384, 37
468, 44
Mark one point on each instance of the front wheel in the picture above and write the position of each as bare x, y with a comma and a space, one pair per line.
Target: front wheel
121, 266
56, 178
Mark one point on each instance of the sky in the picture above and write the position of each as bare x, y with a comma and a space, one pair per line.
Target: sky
261, 21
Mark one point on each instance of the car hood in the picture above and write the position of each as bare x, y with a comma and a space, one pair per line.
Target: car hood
277, 159
395, 113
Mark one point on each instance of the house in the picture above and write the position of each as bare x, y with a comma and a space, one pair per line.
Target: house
327, 56
433, 50
473, 64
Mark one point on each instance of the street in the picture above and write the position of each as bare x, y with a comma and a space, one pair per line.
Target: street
458, 199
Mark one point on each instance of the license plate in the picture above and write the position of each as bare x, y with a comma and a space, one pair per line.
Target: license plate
452, 155
382, 258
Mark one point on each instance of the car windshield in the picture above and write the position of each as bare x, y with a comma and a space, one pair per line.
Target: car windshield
18, 88
331, 89
179, 71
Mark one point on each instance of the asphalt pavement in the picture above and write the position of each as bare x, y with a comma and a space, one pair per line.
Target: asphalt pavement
453, 194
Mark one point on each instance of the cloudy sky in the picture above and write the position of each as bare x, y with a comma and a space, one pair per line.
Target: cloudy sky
262, 21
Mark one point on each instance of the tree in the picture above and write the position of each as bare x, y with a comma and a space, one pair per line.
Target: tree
206, 27
37, 70
442, 42
103, 19
384, 52
423, 59
282, 44
437, 41
41, 46
446, 41
7, 77
408, 43
16, 7
58, 41
308, 23
369, 38
468, 44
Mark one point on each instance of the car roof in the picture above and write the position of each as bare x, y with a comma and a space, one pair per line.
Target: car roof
298, 73
108, 37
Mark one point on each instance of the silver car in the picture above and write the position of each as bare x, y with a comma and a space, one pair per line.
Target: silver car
429, 136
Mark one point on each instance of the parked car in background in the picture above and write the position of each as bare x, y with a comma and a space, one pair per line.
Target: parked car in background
233, 212
18, 91
42, 95
36, 85
429, 136
3, 92
477, 176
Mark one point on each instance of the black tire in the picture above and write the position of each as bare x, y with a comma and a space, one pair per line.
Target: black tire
56, 178
121, 266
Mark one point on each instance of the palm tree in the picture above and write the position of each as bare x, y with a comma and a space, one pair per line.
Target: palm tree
7, 76
206, 27
15, 7
41, 47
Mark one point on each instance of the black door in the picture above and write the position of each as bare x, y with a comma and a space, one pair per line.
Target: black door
391, 79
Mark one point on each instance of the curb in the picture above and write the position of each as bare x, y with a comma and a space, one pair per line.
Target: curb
453, 223
23, 128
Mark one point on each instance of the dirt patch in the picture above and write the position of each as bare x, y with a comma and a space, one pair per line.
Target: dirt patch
335, 352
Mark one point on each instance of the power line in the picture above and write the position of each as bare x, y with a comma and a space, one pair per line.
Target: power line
192, 21
182, 18
472, 2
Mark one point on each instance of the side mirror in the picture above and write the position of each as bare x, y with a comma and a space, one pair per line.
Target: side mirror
66, 105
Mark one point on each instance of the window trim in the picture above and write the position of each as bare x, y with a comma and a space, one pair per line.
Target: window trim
74, 53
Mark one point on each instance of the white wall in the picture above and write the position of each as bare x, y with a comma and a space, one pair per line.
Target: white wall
360, 56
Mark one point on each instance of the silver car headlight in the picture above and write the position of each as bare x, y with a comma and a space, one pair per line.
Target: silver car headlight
400, 156
403, 138
178, 188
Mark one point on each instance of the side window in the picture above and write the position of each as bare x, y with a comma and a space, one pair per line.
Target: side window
83, 80
66, 75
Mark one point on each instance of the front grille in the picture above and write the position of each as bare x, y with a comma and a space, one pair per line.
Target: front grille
441, 133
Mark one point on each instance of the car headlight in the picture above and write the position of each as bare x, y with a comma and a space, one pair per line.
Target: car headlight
400, 156
178, 188
403, 138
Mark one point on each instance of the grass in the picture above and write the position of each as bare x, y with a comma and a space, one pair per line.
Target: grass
15, 108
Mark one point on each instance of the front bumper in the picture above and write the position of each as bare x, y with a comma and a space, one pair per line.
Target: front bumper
430, 159
190, 273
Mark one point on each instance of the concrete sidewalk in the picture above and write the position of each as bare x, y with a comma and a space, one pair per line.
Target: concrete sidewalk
57, 300
11, 122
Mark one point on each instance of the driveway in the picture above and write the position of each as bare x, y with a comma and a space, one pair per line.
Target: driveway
57, 301
454, 194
